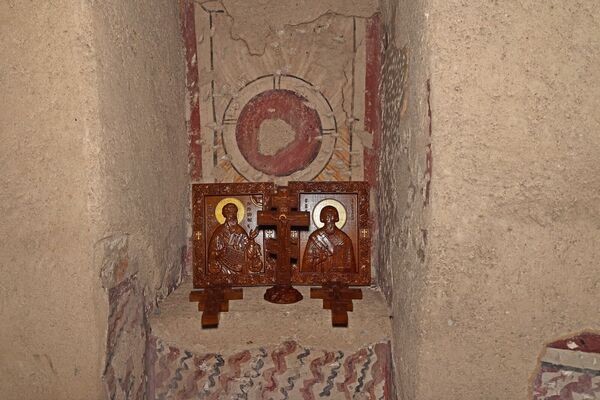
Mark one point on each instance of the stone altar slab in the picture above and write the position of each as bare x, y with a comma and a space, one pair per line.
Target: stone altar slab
251, 357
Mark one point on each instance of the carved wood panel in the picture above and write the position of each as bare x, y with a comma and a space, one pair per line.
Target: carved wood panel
230, 254
230, 249
351, 201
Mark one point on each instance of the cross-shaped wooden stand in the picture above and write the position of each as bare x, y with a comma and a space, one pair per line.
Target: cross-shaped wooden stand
214, 300
338, 298
281, 215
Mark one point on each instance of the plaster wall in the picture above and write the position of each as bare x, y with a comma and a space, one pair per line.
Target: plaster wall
93, 191
511, 255
52, 308
143, 174
254, 22
318, 50
142, 152
404, 181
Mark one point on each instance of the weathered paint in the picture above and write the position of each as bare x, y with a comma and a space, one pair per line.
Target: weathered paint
188, 31
284, 105
587, 342
288, 370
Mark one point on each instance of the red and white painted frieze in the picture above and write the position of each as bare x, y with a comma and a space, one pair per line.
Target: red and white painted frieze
285, 371
570, 370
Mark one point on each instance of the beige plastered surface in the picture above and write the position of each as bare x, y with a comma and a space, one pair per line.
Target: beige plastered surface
52, 308
255, 21
142, 154
511, 259
254, 322
93, 147
91, 151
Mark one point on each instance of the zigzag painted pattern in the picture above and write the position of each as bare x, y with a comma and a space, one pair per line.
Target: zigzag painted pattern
286, 371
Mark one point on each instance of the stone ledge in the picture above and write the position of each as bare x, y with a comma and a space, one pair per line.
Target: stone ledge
263, 351
572, 359
253, 322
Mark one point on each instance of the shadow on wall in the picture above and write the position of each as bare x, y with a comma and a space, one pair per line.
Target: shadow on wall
569, 369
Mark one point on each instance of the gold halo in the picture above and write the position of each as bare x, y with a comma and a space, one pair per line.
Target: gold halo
329, 202
219, 209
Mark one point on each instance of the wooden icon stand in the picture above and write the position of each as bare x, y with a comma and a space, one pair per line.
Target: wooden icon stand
214, 300
258, 234
338, 298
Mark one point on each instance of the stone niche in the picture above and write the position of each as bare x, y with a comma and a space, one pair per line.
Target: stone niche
289, 94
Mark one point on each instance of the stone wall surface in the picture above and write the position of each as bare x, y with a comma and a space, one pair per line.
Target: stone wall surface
141, 84
52, 308
142, 163
492, 248
92, 194
512, 219
405, 174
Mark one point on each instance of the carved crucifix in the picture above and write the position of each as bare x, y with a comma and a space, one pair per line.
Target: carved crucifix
280, 215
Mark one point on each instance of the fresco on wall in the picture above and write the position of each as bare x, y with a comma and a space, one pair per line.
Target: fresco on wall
570, 369
293, 111
285, 371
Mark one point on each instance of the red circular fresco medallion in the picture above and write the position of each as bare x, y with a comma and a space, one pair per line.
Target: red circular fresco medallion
277, 132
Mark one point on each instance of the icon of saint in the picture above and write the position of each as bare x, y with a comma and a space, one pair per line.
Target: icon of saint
231, 250
329, 249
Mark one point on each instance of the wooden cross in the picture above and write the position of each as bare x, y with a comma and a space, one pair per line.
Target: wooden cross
337, 298
214, 300
280, 215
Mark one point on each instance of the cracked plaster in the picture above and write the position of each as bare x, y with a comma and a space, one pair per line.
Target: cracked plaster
255, 22
311, 40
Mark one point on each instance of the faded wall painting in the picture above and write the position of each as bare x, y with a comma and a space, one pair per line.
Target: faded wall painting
292, 111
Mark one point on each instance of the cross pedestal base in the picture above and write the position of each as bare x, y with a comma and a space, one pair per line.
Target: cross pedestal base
337, 298
282, 294
214, 300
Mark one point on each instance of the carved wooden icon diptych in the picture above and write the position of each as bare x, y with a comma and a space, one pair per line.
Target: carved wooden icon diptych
257, 234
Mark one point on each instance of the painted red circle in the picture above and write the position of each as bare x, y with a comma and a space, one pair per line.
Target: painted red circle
291, 108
